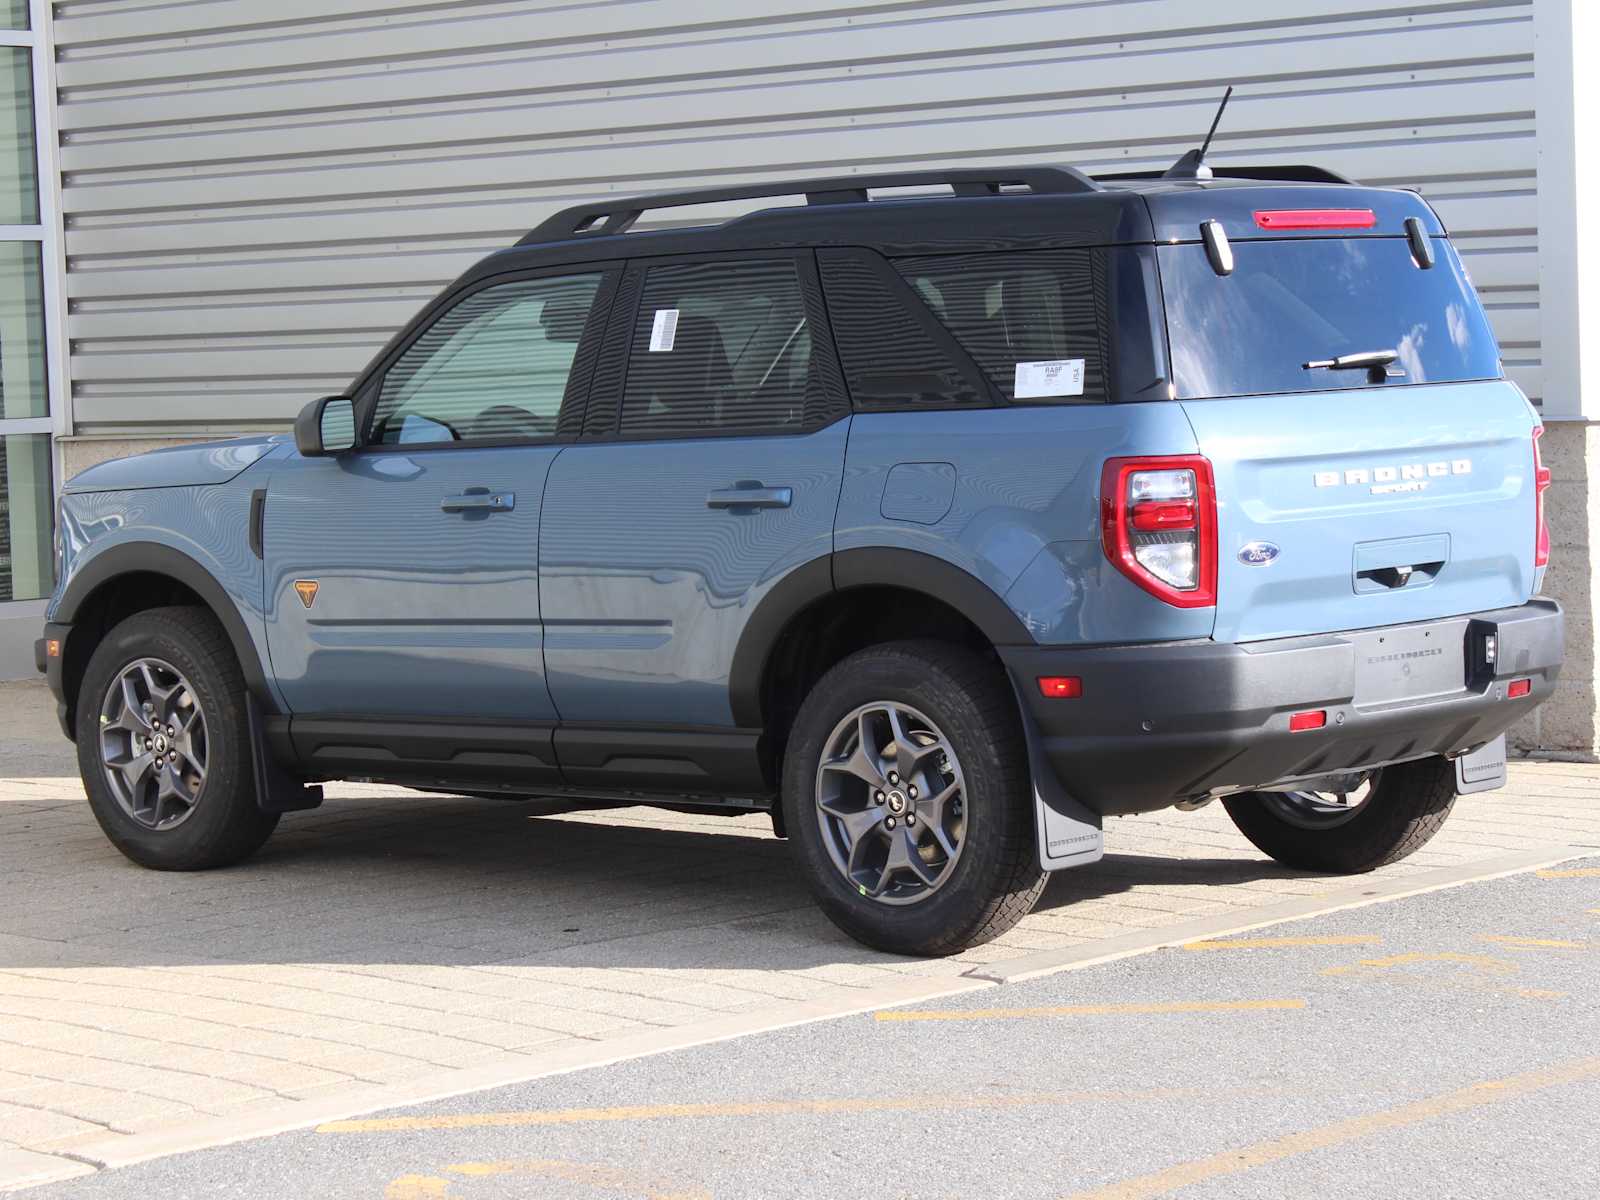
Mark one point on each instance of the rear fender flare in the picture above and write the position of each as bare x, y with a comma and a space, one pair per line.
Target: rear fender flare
935, 577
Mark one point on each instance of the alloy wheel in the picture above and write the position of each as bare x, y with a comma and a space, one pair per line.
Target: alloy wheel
153, 743
891, 803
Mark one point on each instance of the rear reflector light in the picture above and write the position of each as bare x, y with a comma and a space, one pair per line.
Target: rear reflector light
1060, 687
1317, 218
1518, 688
1159, 526
1541, 482
1316, 718
1152, 515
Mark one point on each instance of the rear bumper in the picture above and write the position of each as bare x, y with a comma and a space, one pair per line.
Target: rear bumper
50, 666
1157, 724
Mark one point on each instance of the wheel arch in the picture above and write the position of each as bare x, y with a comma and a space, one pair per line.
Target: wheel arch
829, 608
132, 577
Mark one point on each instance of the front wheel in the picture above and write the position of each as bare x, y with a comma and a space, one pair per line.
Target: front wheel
164, 743
1394, 813
907, 796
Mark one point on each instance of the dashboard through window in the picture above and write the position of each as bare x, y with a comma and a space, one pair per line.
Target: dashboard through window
493, 367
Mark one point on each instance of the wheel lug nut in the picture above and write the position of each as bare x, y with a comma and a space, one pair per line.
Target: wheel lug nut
912, 791
894, 777
911, 818
890, 822
171, 731
172, 756
877, 797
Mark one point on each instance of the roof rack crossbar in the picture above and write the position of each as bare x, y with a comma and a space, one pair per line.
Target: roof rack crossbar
615, 215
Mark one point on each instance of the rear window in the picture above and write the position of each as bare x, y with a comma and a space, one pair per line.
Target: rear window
1291, 302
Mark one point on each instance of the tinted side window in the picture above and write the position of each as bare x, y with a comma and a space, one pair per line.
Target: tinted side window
721, 346
890, 360
1033, 321
495, 365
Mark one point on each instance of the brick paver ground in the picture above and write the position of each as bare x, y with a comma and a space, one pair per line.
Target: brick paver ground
390, 934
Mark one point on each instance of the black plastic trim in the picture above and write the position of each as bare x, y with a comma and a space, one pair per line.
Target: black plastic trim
258, 519
688, 761
107, 566
1161, 723
819, 578
937, 577
433, 751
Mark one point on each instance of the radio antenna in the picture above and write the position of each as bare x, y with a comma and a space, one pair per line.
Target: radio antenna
1193, 164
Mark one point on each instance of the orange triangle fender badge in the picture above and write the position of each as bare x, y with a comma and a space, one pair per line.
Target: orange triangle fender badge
306, 589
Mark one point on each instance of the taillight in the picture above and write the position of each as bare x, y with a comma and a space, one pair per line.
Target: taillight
1541, 482
1159, 526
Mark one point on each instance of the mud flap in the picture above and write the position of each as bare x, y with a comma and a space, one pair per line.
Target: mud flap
1483, 770
1069, 834
277, 791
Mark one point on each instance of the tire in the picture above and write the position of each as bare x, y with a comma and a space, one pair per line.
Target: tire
994, 878
168, 821
1408, 804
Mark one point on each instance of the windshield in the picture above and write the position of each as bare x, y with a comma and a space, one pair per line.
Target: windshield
1290, 302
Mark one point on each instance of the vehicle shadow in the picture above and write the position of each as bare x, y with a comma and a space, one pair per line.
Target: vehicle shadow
412, 878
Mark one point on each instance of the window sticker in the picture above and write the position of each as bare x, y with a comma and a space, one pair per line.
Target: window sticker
1058, 377
664, 333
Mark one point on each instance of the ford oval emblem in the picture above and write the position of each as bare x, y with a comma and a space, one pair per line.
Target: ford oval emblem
1257, 554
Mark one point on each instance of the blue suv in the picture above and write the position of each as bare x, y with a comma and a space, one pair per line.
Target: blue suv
940, 516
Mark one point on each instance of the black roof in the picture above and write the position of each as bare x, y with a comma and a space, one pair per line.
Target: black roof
984, 209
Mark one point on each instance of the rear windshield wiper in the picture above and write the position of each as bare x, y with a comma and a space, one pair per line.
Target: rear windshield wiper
1374, 362
1364, 361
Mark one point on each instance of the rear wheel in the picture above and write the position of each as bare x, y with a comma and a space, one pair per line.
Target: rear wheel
906, 796
1393, 813
164, 743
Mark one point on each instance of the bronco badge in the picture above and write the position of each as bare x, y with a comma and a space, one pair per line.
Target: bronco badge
307, 591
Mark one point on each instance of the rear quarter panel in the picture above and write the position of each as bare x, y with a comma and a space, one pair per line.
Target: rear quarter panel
1011, 496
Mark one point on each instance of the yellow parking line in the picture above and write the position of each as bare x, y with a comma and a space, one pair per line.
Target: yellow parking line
1492, 966
1273, 943
1569, 873
1505, 939
752, 1108
1247, 1158
1086, 1010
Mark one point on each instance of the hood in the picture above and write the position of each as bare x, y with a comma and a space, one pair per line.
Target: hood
177, 466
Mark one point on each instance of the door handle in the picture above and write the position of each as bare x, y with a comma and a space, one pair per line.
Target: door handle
479, 500
750, 493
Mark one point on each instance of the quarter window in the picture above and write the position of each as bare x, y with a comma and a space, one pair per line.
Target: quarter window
1031, 320
720, 347
495, 366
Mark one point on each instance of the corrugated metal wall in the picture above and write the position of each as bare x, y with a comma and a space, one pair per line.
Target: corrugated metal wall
257, 192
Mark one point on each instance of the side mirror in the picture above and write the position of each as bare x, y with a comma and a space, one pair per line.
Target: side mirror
326, 426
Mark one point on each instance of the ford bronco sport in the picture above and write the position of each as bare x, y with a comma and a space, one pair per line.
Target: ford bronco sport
940, 526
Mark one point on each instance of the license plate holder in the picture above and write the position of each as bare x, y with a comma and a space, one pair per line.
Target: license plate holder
1411, 662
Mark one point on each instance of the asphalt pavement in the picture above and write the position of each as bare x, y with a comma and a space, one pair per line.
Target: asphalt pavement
1445, 1045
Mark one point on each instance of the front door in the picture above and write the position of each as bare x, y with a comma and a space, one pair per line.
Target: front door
402, 577
711, 471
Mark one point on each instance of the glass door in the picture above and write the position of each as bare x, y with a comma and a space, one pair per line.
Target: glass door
26, 493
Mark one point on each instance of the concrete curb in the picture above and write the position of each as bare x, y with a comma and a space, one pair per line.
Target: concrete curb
125, 1150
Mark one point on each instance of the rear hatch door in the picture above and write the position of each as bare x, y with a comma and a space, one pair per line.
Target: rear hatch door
1362, 497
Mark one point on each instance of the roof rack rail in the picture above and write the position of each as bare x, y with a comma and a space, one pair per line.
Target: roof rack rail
1275, 173
616, 214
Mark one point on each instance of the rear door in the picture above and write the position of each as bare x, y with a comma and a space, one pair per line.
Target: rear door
1351, 497
709, 471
